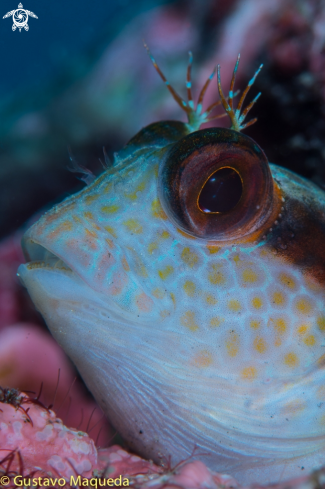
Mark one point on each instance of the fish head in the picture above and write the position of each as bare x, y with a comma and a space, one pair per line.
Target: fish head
187, 284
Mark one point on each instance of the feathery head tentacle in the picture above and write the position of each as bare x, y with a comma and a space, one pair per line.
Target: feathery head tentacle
237, 118
194, 114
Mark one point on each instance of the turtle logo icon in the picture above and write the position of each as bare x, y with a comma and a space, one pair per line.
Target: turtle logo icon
20, 18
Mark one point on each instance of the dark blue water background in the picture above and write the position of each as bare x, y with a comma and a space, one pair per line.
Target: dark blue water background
60, 37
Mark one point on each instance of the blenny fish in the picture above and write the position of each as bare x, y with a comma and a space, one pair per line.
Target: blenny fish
187, 284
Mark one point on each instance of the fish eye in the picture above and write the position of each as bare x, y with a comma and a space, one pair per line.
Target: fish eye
221, 192
216, 184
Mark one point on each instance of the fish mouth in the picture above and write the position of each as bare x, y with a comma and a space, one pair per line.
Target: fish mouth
38, 256
56, 272
54, 285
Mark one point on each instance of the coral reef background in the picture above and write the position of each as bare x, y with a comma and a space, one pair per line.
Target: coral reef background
80, 77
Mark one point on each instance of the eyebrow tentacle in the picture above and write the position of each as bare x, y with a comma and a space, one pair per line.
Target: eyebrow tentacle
195, 115
237, 118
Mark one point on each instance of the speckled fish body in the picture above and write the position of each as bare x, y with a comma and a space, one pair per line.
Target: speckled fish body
186, 341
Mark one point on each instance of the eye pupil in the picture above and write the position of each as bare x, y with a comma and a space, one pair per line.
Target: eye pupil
222, 192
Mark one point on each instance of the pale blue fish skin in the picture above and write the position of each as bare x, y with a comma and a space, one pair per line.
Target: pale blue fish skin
184, 343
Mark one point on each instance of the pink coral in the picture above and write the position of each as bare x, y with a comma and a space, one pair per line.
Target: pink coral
43, 440
34, 443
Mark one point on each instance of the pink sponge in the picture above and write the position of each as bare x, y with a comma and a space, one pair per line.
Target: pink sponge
35, 444
42, 439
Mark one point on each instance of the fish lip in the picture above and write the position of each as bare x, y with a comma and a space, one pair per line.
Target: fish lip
39, 256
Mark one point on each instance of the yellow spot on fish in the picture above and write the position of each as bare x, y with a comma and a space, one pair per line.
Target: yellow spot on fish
249, 373
158, 293
77, 219
110, 243
152, 247
213, 248
107, 188
189, 257
216, 321
257, 302
189, 288
236, 259
310, 340
173, 298
303, 306
125, 265
249, 276
91, 234
90, 198
321, 323
157, 211
66, 226
89, 215
110, 230
141, 268
234, 305
165, 272
287, 280
211, 300
215, 276
255, 324
259, 344
203, 359
110, 209
280, 325
232, 344
63, 227
291, 359
188, 320
302, 329
155, 244
278, 298
134, 226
